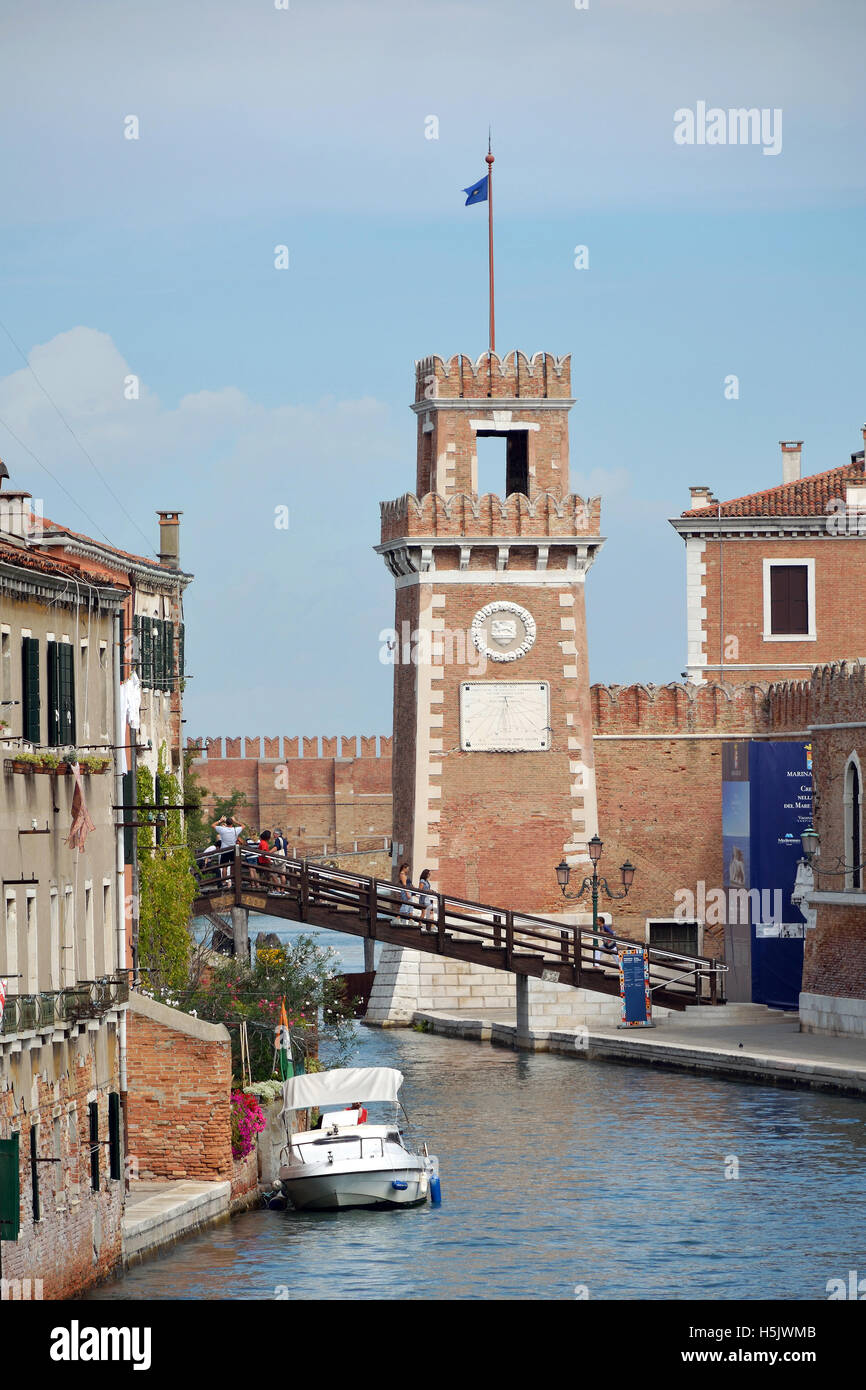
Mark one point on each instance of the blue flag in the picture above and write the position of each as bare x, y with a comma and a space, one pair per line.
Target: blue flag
477, 193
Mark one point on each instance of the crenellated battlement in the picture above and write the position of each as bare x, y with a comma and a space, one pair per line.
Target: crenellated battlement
784, 707
466, 514
285, 749
837, 692
678, 708
543, 376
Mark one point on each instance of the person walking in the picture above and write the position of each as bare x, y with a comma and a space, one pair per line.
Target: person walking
405, 895
427, 900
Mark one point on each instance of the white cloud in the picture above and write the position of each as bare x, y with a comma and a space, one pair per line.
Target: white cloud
264, 599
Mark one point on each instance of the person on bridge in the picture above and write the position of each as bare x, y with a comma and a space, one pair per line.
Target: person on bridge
405, 893
427, 899
228, 833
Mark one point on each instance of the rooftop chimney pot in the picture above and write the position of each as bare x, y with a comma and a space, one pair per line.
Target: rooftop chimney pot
169, 538
792, 455
701, 496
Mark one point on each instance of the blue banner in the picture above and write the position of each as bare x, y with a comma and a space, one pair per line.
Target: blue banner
780, 808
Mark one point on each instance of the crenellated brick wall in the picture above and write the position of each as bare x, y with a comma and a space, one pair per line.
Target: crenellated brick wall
336, 794
658, 764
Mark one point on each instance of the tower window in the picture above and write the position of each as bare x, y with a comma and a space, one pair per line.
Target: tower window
489, 455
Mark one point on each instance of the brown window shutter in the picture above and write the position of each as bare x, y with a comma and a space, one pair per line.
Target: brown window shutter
789, 600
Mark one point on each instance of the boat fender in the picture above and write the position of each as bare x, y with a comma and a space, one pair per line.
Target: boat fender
400, 1186
435, 1192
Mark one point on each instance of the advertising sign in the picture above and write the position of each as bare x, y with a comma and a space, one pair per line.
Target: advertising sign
634, 987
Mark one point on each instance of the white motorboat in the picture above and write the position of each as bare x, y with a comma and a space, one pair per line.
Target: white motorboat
348, 1162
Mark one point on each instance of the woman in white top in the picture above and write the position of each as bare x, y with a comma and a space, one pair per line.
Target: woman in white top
228, 834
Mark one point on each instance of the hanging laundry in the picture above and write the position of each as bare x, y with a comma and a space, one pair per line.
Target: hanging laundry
130, 696
81, 822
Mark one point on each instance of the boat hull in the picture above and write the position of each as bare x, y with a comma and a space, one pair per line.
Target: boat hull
331, 1191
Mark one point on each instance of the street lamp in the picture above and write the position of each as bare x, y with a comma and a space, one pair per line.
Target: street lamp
594, 882
809, 839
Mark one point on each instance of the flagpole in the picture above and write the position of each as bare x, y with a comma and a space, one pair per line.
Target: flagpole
489, 162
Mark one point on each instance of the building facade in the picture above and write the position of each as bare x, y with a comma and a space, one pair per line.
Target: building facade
73, 644
62, 935
769, 577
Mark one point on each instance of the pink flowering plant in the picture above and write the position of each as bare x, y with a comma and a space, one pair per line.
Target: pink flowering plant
247, 1121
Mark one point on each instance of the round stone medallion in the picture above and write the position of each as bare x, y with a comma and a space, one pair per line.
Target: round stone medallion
503, 631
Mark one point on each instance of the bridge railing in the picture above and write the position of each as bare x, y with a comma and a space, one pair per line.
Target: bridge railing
509, 936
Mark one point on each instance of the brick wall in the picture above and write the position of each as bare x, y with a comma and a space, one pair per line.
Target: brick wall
658, 761
77, 1240
333, 798
840, 564
179, 1078
835, 958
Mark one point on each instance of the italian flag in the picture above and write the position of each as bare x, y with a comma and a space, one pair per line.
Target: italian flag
283, 1045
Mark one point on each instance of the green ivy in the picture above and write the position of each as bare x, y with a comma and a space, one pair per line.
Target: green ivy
166, 884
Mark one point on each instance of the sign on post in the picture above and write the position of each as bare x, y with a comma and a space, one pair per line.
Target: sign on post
634, 987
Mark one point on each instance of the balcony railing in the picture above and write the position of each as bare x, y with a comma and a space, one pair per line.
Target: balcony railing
29, 1013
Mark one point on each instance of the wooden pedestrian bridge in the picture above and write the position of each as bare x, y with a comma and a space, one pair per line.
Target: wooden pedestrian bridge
299, 891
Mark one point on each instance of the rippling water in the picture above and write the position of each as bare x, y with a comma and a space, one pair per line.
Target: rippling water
558, 1172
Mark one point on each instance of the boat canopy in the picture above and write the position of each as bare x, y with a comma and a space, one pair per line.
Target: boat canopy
342, 1086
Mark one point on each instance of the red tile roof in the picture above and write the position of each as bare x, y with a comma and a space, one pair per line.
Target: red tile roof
30, 559
54, 528
805, 497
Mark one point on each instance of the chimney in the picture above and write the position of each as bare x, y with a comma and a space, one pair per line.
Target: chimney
15, 513
792, 453
169, 538
701, 496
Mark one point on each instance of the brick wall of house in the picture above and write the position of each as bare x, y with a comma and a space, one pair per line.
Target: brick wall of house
835, 957
77, 1240
840, 563
179, 1079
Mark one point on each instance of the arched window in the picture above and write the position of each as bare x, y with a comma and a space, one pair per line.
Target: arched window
853, 821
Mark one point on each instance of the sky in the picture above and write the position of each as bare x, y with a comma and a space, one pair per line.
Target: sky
262, 388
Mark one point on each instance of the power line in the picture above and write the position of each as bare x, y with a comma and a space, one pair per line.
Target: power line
96, 470
54, 479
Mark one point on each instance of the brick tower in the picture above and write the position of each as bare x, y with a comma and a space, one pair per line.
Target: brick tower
493, 769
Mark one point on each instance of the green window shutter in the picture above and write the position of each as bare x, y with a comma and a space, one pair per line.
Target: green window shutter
181, 655
129, 799
34, 1175
146, 663
159, 627
66, 669
53, 695
31, 725
114, 1135
10, 1189
170, 669
122, 649
136, 643
93, 1117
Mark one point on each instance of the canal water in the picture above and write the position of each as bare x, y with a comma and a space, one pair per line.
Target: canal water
563, 1178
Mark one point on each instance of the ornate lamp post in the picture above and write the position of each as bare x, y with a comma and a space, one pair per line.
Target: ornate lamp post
594, 882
